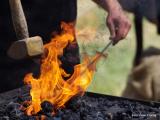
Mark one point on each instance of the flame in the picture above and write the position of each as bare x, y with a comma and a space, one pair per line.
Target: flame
51, 86
87, 34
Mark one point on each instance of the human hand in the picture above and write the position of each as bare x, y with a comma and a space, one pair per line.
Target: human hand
118, 23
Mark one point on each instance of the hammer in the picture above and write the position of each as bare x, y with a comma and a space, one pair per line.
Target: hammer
25, 46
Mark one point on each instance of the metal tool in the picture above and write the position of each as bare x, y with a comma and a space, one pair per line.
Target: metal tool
97, 57
25, 46
101, 53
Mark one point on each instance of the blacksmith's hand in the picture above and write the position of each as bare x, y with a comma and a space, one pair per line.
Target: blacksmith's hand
117, 22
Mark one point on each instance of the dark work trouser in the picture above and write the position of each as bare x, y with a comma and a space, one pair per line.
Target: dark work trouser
43, 17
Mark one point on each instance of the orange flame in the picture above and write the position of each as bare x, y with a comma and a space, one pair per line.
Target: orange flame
50, 86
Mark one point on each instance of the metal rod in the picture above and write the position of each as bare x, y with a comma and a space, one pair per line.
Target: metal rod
99, 55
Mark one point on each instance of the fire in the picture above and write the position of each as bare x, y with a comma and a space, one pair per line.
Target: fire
51, 86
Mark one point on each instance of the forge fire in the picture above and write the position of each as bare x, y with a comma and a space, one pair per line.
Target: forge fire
91, 106
51, 86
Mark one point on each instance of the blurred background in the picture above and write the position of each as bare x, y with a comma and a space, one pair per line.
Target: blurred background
92, 34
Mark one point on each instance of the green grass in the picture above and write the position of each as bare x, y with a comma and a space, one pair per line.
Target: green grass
111, 74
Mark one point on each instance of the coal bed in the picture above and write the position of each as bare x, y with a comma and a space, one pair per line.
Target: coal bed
91, 106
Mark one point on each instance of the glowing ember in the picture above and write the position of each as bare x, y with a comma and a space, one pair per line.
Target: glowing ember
50, 86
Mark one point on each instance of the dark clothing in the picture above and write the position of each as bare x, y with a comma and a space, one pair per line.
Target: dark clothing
43, 17
158, 15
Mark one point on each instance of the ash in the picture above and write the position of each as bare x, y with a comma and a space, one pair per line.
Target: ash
89, 107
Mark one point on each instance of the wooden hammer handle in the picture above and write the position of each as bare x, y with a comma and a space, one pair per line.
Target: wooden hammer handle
19, 20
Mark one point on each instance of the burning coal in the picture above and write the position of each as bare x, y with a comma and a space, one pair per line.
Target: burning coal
51, 86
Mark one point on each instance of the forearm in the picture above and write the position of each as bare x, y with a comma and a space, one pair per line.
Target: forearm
108, 5
117, 22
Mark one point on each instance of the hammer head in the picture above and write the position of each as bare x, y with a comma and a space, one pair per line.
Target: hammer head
28, 47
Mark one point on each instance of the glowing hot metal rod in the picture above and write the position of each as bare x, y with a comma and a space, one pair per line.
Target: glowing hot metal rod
100, 54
